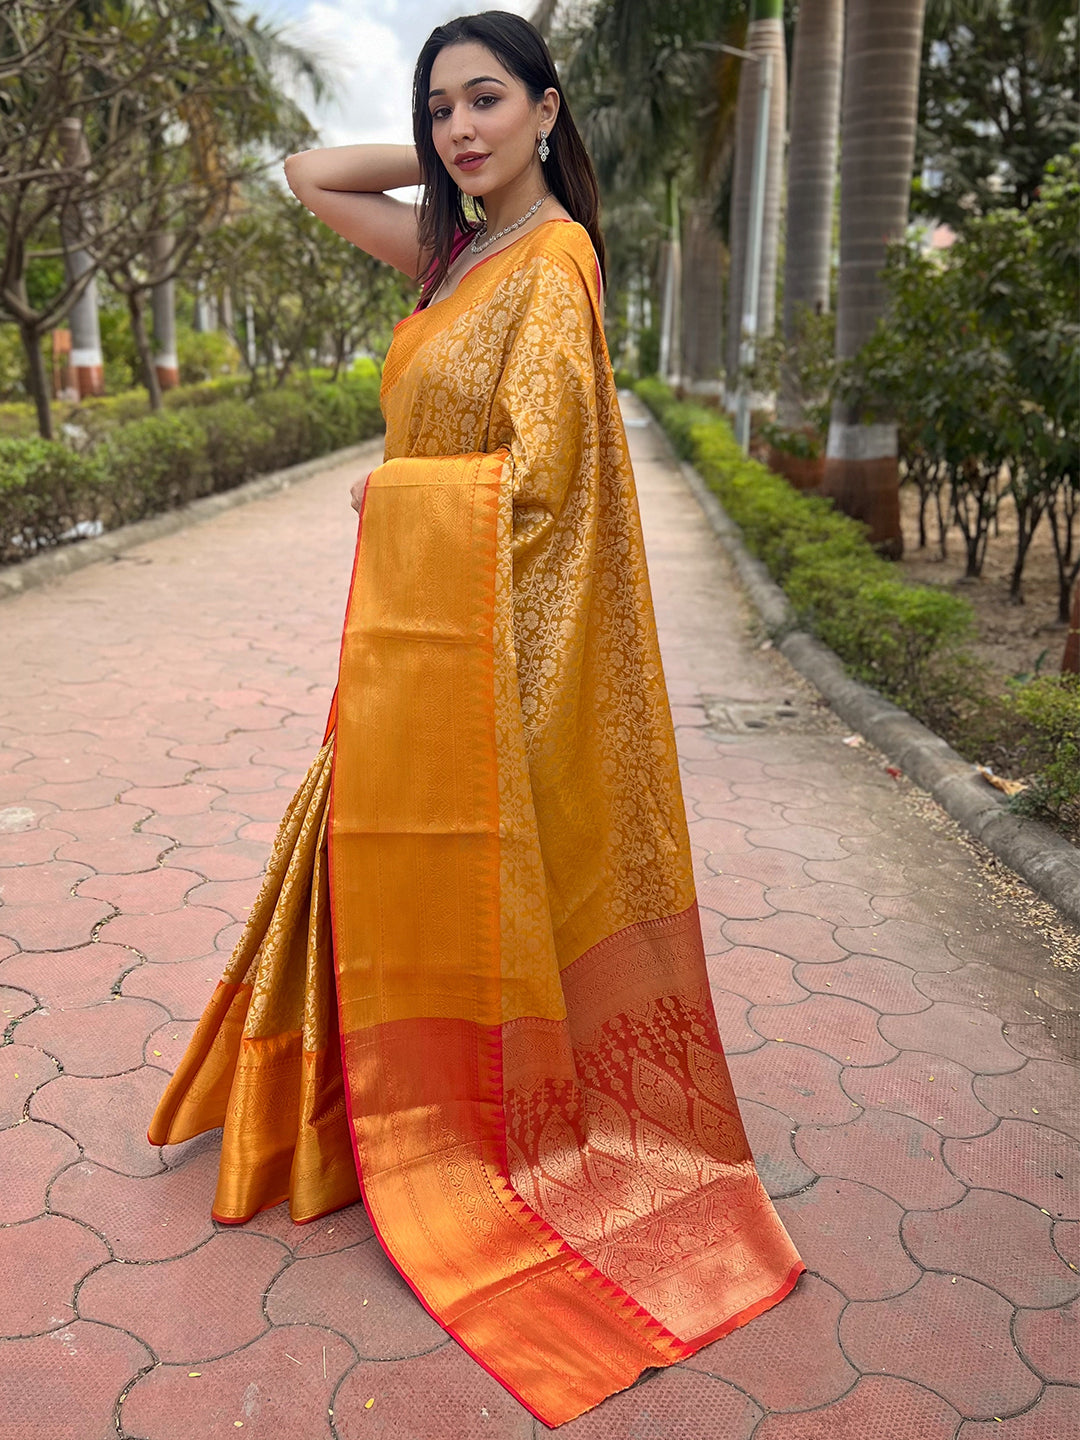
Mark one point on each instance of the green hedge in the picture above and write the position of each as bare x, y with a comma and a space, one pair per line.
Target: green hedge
906, 640
157, 462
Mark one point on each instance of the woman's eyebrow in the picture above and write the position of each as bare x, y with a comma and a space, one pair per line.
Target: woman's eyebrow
480, 80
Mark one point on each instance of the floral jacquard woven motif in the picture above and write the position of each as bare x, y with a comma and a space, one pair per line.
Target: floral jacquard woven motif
489, 869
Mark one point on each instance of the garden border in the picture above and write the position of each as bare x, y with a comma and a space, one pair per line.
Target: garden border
1035, 851
66, 559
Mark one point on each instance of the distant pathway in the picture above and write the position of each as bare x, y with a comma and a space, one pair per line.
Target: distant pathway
905, 1054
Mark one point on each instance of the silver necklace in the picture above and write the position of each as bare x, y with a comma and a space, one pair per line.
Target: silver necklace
481, 240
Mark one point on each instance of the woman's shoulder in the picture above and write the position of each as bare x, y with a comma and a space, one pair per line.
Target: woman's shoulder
567, 242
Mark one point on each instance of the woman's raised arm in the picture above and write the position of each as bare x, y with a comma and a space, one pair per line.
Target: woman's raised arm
344, 187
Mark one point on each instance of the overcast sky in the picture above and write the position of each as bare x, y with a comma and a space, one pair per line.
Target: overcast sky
370, 48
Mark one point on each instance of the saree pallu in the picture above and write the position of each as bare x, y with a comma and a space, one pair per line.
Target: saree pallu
473, 987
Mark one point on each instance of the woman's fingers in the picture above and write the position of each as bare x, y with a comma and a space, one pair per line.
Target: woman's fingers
357, 493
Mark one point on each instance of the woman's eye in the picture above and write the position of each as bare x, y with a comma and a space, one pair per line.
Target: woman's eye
482, 98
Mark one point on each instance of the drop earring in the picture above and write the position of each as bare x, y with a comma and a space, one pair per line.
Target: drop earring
543, 148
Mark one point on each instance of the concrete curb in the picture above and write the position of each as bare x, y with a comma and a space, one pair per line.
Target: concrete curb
1036, 852
65, 559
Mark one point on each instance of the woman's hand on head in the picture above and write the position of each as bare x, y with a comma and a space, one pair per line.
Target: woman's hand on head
357, 493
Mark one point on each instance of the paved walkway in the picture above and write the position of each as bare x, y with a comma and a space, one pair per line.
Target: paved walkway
905, 1052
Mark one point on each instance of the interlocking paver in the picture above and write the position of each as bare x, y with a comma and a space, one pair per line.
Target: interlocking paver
153, 734
865, 1263
272, 1387
897, 1156
320, 1290
41, 1263
197, 1307
946, 1333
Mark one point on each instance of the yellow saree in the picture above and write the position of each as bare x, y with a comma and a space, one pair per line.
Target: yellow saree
489, 859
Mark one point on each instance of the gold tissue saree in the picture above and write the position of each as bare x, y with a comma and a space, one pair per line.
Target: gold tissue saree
521, 1068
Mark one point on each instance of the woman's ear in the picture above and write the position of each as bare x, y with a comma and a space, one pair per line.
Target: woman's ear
549, 108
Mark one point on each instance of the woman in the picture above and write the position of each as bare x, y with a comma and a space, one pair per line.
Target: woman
520, 1066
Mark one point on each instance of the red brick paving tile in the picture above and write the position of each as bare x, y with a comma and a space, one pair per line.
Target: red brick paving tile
333, 1233
28, 847
41, 884
1045, 1088
777, 868
844, 1029
63, 769
323, 1290
82, 795
249, 718
149, 773
676, 1404
950, 1335
1008, 995
110, 1116
707, 787
149, 892
1054, 1416
181, 987
84, 976
694, 744
1050, 1341
798, 1082
770, 1136
880, 1407
946, 1102
770, 1359
921, 947
175, 935
896, 1155
41, 1262
194, 1308
242, 779
275, 1387
242, 860
850, 1235
731, 898
808, 841
110, 822
970, 1037
1067, 1242
259, 832
837, 904
1001, 943
30, 1155
760, 975
16, 787
799, 937
1047, 1040
1025, 1159
735, 1033
165, 1046
22, 1071
210, 827
1020, 1262
63, 1386
60, 925
226, 755
13, 1003
720, 837
229, 938
97, 1040
234, 897
884, 984
169, 800
874, 874
122, 856
276, 1223
471, 1405
152, 1219
754, 813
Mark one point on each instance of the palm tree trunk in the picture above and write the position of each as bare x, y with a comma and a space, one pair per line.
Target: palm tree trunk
163, 308
671, 262
764, 35
881, 99
817, 68
702, 302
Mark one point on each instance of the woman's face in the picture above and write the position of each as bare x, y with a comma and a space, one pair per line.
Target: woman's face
479, 109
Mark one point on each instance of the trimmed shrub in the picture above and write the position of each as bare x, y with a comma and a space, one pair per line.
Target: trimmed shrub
904, 639
1049, 706
46, 490
152, 464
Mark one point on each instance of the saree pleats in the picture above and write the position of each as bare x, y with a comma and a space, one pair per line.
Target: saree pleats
489, 859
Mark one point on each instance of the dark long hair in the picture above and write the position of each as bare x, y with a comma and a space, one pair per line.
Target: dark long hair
520, 48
